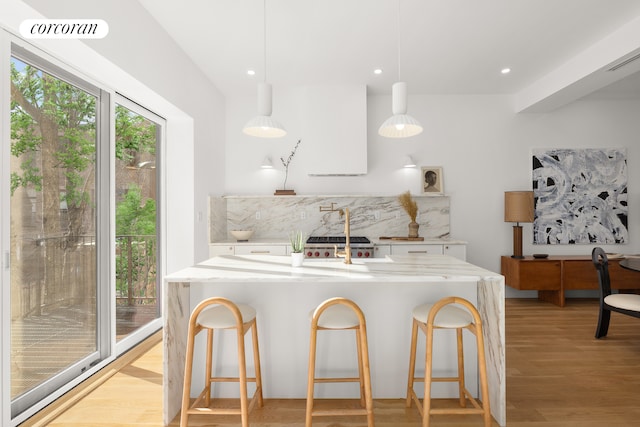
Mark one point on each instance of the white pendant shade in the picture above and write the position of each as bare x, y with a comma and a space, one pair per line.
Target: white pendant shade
263, 125
409, 162
400, 125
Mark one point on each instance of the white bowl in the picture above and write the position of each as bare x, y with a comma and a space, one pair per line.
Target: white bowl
241, 235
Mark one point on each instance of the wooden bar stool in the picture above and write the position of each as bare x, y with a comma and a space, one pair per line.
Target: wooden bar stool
340, 314
220, 313
443, 315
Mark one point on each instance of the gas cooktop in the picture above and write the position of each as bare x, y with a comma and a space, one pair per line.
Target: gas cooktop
336, 240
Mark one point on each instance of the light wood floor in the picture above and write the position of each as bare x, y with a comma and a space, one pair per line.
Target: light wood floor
558, 374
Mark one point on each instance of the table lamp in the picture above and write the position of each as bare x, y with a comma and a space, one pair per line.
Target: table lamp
518, 207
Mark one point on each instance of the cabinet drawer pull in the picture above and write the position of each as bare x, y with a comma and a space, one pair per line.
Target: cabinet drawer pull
260, 252
417, 252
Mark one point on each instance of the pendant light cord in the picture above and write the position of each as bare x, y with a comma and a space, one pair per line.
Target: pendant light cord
264, 37
398, 37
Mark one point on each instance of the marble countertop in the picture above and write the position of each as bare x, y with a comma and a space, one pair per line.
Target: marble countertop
375, 241
398, 268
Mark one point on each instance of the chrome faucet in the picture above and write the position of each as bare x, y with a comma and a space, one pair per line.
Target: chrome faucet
347, 232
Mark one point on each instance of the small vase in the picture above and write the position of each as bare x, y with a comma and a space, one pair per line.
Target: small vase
296, 259
413, 229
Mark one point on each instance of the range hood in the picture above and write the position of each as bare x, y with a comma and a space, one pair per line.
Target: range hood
334, 126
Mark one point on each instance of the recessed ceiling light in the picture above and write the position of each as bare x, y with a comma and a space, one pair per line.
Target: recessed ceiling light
377, 71
251, 73
505, 70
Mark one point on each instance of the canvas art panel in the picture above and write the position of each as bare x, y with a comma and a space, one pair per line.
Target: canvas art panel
580, 196
432, 181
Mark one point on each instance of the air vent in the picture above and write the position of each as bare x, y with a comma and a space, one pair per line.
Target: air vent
624, 62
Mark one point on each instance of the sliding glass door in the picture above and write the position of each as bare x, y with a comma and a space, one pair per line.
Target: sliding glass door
58, 216
137, 294
81, 191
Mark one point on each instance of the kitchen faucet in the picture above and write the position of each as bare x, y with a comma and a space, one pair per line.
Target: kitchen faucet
347, 232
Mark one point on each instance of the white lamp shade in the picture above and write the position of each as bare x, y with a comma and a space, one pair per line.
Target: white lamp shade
263, 125
400, 125
409, 162
267, 163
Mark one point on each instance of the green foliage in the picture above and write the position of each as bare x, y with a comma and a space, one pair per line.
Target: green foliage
68, 114
46, 100
133, 217
136, 243
54, 121
135, 134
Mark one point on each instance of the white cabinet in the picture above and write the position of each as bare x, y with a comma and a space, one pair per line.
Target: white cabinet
261, 249
217, 250
457, 251
400, 249
380, 251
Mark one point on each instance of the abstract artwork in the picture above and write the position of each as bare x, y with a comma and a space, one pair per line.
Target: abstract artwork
580, 196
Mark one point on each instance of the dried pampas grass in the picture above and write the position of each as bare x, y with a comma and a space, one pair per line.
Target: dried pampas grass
409, 205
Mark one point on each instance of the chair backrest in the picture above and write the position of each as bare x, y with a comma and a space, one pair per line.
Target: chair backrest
601, 262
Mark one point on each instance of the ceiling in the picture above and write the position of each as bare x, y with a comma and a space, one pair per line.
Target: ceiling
445, 46
558, 50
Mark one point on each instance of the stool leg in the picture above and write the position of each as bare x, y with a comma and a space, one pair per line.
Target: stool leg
244, 406
360, 369
256, 363
209, 367
367, 374
311, 377
412, 362
426, 403
482, 364
188, 368
462, 395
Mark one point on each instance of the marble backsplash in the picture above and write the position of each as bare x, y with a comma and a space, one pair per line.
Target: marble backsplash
372, 216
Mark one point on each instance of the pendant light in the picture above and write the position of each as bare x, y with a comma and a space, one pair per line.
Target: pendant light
400, 125
263, 125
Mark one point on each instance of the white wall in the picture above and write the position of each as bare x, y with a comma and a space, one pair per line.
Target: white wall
483, 146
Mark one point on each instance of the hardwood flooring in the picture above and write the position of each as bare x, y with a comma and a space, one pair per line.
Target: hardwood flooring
558, 374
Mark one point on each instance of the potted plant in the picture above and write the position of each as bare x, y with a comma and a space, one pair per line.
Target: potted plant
297, 240
411, 207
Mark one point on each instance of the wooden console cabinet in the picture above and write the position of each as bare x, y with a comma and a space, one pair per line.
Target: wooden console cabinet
553, 275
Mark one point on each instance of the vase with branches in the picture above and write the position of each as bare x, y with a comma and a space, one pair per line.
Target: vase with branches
285, 163
411, 208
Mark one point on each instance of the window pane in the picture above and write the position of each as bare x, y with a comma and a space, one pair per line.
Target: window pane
136, 217
53, 226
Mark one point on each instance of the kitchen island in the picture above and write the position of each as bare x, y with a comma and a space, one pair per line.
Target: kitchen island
386, 289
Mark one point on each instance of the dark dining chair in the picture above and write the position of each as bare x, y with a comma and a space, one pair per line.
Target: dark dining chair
628, 304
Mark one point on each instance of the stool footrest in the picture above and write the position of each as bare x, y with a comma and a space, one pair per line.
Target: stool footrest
195, 409
330, 412
438, 380
229, 380
441, 411
477, 407
336, 380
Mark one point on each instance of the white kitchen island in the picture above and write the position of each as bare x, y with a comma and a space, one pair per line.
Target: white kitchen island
386, 289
